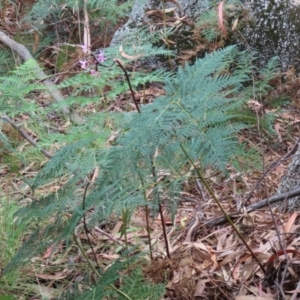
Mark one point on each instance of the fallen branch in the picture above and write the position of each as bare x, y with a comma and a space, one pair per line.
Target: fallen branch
253, 207
23, 52
25, 135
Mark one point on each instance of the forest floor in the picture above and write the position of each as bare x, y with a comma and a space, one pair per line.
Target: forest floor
206, 261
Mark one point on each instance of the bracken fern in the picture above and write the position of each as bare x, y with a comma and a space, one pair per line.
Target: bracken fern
200, 112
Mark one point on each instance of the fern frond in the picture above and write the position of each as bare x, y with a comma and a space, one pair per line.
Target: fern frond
15, 89
6, 62
136, 288
202, 111
62, 161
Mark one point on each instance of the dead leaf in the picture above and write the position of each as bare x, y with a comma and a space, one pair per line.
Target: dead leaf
220, 19
235, 23
117, 228
56, 276
255, 106
277, 129
109, 256
52, 250
289, 224
200, 287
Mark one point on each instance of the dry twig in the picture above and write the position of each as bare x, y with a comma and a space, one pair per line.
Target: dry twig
24, 134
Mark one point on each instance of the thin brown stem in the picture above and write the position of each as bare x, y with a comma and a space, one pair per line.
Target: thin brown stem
148, 231
129, 84
164, 231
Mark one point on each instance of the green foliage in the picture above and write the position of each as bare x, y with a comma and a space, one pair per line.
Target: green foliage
47, 11
202, 112
136, 288
6, 144
6, 62
207, 27
133, 284
11, 239
10, 232
270, 71
19, 91
197, 112
95, 85
58, 20
258, 90
208, 24
16, 89
109, 10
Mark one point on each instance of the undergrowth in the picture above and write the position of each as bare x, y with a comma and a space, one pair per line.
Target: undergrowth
154, 151
11, 233
202, 113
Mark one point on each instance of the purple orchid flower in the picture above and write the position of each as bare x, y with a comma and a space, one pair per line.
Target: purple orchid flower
94, 73
83, 63
100, 57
